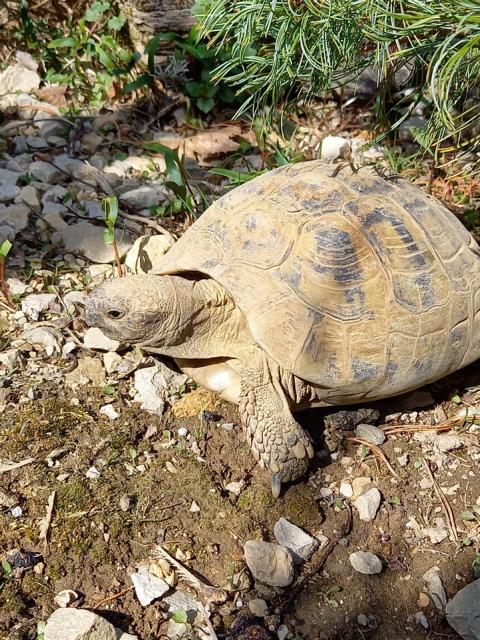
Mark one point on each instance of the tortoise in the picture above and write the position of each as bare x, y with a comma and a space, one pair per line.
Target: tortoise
305, 287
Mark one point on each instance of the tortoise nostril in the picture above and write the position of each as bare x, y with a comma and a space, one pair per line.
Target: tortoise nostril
114, 313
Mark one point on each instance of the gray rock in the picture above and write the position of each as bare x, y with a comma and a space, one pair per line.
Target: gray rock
180, 600
405, 130
367, 504
446, 442
111, 361
8, 192
269, 563
16, 78
34, 304
78, 624
29, 195
148, 587
45, 338
10, 359
14, 216
365, 562
153, 385
300, 544
435, 588
370, 433
87, 239
88, 371
145, 196
435, 534
95, 339
422, 619
45, 172
9, 177
258, 607
463, 611
282, 632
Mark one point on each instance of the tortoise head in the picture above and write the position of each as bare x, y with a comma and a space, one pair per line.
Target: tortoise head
135, 310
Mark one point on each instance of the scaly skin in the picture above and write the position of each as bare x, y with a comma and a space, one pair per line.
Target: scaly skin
277, 441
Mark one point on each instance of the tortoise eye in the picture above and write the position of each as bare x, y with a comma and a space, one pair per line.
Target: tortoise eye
114, 313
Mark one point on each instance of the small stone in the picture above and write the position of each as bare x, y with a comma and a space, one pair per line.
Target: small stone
9, 177
45, 338
235, 487
182, 601
148, 587
282, 632
423, 600
447, 442
371, 434
346, 490
14, 218
16, 286
109, 411
145, 196
269, 563
8, 192
10, 359
182, 432
421, 619
403, 460
463, 611
258, 607
94, 338
29, 196
152, 385
17, 79
367, 504
194, 508
360, 486
362, 620
111, 361
45, 172
365, 562
435, 534
78, 624
65, 598
146, 253
34, 304
88, 370
300, 544
125, 502
335, 147
87, 240
435, 588
93, 473
17, 512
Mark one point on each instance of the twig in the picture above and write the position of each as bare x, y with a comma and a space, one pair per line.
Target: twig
378, 452
46, 521
413, 428
149, 223
114, 597
45, 109
445, 504
327, 550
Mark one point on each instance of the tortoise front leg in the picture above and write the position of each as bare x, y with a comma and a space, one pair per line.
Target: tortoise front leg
277, 441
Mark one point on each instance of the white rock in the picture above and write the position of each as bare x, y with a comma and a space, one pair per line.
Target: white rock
447, 442
88, 371
10, 359
235, 487
78, 624
109, 411
300, 544
16, 286
370, 433
282, 632
346, 490
194, 508
269, 563
422, 619
258, 607
87, 239
153, 384
14, 216
16, 78
26, 60
93, 473
45, 172
94, 338
146, 253
66, 597
46, 338
365, 562
182, 601
435, 534
335, 147
182, 432
8, 192
146, 196
34, 304
360, 485
176, 630
148, 587
367, 504
111, 361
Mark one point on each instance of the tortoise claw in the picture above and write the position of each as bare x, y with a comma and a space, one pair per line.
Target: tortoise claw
277, 484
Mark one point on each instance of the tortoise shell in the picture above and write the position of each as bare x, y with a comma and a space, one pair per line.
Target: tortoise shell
363, 286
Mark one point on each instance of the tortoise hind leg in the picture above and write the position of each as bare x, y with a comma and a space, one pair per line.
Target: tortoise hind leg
277, 441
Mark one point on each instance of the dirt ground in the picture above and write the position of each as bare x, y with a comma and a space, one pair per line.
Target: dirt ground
94, 542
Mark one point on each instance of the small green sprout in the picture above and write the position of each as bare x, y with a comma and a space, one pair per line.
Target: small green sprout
110, 215
4, 251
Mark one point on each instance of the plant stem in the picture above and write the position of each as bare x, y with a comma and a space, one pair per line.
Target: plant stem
3, 283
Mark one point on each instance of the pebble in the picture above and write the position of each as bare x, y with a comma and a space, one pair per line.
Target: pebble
365, 562
93, 473
45, 338
300, 544
421, 619
109, 411
145, 196
367, 504
423, 600
29, 195
346, 490
111, 361
182, 432
435, 534
180, 600
194, 508
10, 359
34, 304
17, 79
147, 586
282, 632
258, 607
435, 588
235, 487
88, 370
146, 253
447, 442
360, 485
8, 192
335, 147
94, 338
370, 433
9, 177
66, 597
152, 384
45, 172
362, 620
78, 624
269, 563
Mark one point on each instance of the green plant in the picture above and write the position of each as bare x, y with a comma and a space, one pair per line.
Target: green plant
110, 212
285, 51
7, 573
4, 251
331, 592
476, 566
